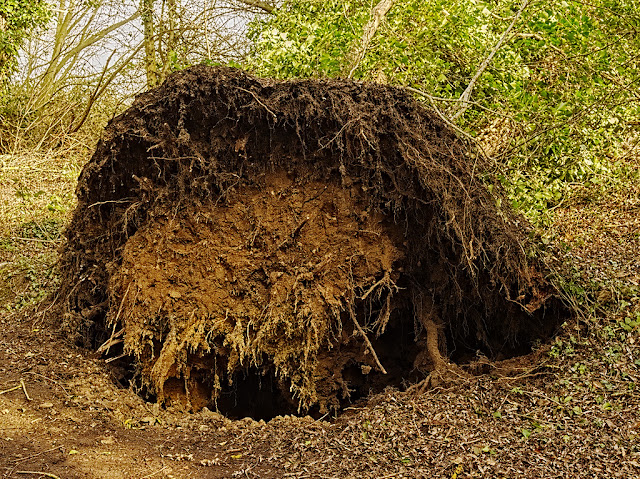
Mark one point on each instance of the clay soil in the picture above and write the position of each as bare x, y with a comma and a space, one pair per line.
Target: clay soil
277, 253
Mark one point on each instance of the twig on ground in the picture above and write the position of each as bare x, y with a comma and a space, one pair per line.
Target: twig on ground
24, 388
11, 389
36, 455
49, 379
154, 473
38, 240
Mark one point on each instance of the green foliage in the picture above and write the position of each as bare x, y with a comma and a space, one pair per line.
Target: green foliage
562, 86
17, 19
306, 39
563, 348
48, 229
26, 280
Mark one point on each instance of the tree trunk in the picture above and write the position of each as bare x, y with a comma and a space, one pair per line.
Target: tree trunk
171, 43
151, 68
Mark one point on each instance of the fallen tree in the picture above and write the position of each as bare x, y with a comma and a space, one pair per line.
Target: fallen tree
296, 243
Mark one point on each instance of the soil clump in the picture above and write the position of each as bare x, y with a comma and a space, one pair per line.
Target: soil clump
292, 246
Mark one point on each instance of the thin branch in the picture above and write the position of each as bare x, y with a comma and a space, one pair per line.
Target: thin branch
264, 6
370, 29
94, 94
103, 84
90, 40
440, 114
49, 379
24, 389
22, 459
275, 117
15, 388
39, 473
464, 98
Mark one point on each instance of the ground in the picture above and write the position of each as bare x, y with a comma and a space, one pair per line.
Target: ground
571, 408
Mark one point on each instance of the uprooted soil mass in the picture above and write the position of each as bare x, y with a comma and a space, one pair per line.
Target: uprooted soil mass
266, 247
266, 276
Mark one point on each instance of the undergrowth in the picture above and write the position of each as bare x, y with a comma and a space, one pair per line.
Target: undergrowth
37, 195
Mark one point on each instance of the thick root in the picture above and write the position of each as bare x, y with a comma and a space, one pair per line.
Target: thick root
443, 372
433, 344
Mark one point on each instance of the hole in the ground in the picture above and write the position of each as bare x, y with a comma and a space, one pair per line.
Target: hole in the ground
258, 393
255, 394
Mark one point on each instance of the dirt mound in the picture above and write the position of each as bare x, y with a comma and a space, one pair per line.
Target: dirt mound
270, 246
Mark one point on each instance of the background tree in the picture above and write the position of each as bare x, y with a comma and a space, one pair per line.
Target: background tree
94, 56
178, 34
17, 19
66, 69
146, 9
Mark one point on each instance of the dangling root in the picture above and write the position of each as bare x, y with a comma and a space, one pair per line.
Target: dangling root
366, 339
433, 349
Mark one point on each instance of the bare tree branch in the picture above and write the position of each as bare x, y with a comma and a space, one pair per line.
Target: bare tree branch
64, 56
264, 6
442, 115
103, 83
464, 98
370, 29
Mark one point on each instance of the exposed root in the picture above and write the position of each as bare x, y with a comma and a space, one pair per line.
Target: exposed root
433, 344
237, 288
237, 231
443, 371
366, 339
384, 282
114, 339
